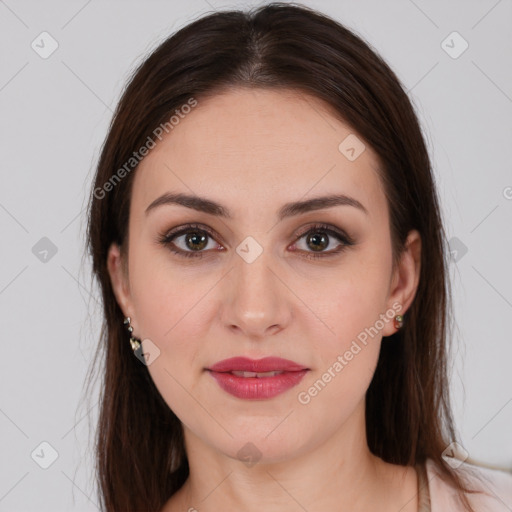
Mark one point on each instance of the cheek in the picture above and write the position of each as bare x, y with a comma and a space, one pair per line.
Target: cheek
164, 294
356, 297
169, 311
174, 310
347, 355
355, 314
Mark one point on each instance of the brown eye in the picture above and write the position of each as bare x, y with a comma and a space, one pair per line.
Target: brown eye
196, 241
189, 241
317, 241
318, 238
192, 241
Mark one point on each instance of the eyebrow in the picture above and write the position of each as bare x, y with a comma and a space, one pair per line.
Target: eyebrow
202, 204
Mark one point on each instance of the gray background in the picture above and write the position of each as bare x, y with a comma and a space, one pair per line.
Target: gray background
54, 117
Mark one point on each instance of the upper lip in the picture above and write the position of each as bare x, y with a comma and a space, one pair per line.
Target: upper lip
267, 364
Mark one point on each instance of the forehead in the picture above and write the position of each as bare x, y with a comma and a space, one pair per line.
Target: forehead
250, 147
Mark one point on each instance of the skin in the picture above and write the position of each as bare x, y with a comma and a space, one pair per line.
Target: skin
252, 151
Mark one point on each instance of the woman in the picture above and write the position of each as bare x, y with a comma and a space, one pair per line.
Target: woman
266, 233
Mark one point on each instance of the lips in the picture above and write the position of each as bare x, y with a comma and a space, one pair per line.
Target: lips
257, 378
267, 364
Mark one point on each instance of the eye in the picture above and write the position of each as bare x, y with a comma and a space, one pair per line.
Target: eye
195, 237
195, 241
318, 238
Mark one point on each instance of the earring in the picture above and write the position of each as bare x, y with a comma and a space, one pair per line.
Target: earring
399, 321
134, 342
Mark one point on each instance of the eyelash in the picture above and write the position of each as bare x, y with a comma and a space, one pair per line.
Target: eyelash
167, 238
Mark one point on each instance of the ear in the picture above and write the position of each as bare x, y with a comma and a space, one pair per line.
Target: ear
117, 269
406, 277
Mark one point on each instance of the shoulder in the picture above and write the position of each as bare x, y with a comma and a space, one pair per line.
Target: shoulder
496, 487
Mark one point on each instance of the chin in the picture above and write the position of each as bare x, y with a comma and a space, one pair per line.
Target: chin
258, 446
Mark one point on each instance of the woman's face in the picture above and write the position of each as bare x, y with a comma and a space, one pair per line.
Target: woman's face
251, 285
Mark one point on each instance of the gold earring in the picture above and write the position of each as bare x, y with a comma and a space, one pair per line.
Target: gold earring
399, 321
134, 342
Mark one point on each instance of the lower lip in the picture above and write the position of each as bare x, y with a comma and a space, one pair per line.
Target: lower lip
254, 388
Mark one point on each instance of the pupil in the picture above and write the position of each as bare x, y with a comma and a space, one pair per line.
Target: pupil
318, 239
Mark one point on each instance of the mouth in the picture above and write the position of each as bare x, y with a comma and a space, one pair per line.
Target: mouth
257, 379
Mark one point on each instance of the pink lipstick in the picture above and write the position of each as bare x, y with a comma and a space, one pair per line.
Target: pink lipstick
257, 379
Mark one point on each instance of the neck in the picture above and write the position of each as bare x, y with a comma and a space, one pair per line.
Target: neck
339, 474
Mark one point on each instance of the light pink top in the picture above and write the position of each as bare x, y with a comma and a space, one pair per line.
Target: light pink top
496, 484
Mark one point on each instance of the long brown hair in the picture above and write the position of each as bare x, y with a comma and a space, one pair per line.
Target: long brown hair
139, 448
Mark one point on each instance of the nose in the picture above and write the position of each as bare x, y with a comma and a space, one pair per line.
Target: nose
256, 301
